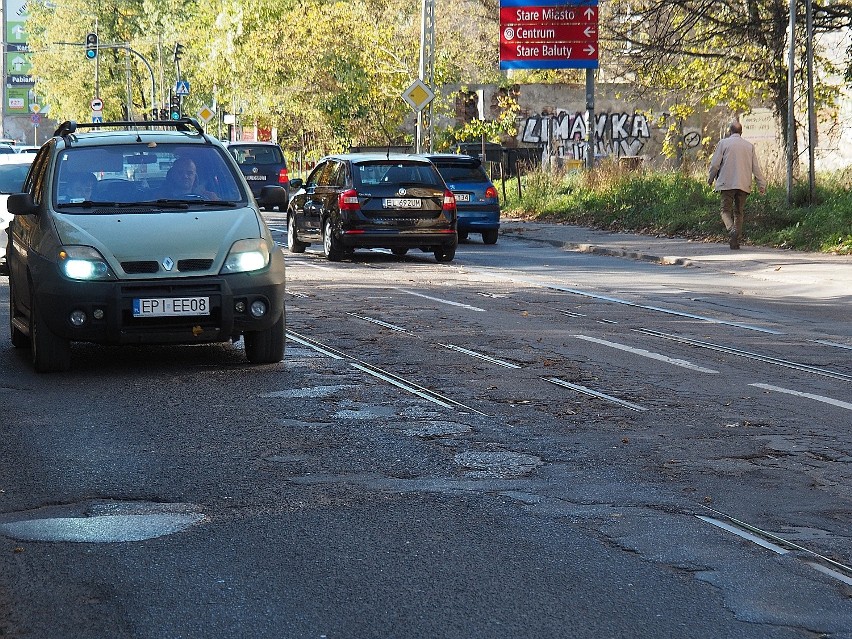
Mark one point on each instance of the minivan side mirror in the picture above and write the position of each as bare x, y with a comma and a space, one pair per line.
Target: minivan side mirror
21, 204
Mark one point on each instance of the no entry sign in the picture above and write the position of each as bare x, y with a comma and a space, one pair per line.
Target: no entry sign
548, 34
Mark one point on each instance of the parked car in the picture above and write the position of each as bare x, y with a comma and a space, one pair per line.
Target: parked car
7, 149
13, 172
142, 236
476, 196
262, 164
373, 200
26, 148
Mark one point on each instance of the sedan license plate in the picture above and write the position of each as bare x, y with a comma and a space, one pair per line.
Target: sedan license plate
402, 203
170, 306
462, 197
258, 178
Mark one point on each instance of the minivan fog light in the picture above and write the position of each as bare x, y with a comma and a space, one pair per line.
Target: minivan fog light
78, 318
240, 307
258, 308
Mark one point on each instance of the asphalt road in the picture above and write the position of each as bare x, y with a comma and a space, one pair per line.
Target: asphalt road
527, 442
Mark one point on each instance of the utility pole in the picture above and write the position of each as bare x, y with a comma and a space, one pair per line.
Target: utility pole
812, 121
427, 75
791, 94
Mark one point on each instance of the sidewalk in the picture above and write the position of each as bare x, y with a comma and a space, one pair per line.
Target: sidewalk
810, 274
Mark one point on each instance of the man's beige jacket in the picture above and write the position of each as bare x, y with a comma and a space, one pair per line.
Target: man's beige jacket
733, 164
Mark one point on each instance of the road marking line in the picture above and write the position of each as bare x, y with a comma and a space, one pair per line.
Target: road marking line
373, 320
593, 393
487, 358
739, 532
644, 353
835, 344
443, 301
818, 398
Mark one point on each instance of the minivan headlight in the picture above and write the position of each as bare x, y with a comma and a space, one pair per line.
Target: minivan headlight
83, 263
245, 256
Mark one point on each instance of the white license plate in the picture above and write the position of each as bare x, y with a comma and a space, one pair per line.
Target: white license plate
170, 306
402, 203
462, 197
257, 178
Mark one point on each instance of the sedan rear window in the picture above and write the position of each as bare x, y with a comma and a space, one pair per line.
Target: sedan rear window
461, 172
257, 154
397, 173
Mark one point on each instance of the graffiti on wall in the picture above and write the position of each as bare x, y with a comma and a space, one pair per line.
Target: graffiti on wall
616, 134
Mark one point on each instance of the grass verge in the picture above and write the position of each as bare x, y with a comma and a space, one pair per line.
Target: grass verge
675, 204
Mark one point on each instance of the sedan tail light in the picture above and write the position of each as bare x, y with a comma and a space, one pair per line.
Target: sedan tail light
283, 177
449, 201
348, 200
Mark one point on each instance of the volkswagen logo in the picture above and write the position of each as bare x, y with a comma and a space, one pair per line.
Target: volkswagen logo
254, 170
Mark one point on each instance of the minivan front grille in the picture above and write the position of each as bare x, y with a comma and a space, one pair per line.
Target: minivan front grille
140, 266
185, 266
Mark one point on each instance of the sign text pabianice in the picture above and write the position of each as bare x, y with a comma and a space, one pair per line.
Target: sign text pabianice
548, 34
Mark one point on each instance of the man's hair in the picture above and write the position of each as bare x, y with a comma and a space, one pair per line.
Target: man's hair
736, 127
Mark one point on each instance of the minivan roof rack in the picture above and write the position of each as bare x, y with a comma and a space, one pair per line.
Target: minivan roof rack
183, 124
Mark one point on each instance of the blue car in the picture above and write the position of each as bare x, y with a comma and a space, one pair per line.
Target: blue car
476, 197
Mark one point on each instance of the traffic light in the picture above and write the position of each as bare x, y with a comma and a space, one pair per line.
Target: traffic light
91, 46
174, 108
164, 114
178, 51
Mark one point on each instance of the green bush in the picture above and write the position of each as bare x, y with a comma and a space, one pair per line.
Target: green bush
673, 203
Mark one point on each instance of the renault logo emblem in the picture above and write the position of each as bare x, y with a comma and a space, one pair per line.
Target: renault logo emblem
168, 264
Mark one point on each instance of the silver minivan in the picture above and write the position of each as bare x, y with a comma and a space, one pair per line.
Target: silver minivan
141, 233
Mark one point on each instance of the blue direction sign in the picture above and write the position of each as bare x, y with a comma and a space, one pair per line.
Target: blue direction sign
182, 88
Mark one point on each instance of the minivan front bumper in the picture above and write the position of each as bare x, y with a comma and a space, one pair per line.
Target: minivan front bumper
108, 306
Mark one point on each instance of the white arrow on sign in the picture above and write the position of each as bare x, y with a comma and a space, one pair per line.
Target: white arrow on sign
589, 31
589, 49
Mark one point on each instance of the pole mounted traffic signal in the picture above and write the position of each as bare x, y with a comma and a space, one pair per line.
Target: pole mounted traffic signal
178, 51
91, 46
174, 108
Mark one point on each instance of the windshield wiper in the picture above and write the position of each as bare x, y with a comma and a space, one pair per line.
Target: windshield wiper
191, 202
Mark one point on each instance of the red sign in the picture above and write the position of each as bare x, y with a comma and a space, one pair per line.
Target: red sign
554, 34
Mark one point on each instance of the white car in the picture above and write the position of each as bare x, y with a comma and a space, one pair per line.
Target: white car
13, 171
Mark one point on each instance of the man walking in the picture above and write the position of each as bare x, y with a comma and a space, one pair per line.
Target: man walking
733, 164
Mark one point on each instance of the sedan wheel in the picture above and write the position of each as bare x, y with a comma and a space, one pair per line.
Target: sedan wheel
331, 245
489, 236
293, 243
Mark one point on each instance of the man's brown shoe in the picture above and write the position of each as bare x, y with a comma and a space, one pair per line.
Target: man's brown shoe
733, 239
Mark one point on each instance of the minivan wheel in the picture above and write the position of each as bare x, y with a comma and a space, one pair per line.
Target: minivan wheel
51, 354
266, 347
445, 253
293, 243
489, 236
19, 340
330, 244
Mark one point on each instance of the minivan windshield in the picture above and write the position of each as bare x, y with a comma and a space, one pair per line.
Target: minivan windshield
137, 174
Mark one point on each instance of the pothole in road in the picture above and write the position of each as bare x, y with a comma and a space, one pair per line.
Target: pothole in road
503, 464
99, 522
435, 430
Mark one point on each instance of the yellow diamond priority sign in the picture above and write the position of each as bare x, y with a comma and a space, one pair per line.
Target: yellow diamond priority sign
418, 95
206, 114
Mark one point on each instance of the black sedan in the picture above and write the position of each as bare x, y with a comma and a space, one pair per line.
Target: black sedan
373, 200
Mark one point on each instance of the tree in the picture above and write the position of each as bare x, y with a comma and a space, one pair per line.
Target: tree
708, 53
